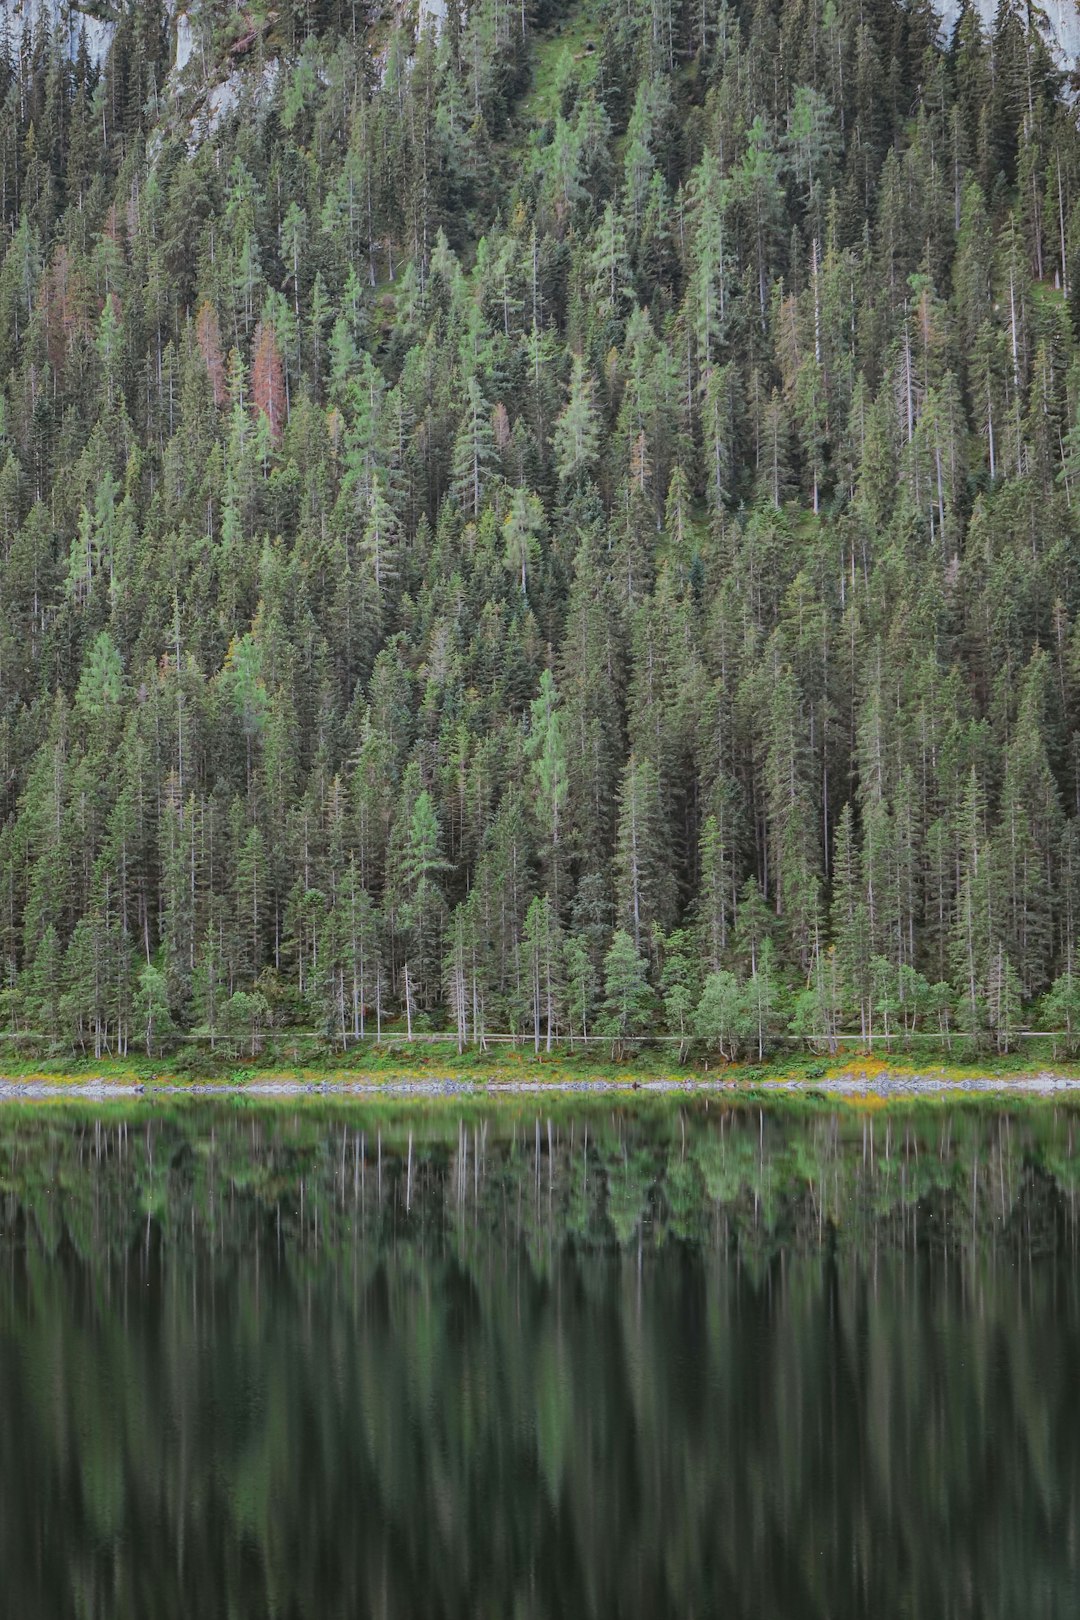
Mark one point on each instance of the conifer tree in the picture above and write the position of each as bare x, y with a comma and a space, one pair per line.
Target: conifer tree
627, 996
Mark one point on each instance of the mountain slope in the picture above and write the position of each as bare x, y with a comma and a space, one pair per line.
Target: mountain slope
548, 520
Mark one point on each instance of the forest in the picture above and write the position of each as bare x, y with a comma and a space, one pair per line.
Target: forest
552, 521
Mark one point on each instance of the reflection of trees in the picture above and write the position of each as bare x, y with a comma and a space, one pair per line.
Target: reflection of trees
538, 1390
762, 1183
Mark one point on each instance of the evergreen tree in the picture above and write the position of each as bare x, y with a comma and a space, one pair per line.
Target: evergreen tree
628, 999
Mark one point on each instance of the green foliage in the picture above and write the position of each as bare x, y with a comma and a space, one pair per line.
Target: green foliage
101, 680
564, 481
243, 1019
628, 999
152, 1010
723, 1017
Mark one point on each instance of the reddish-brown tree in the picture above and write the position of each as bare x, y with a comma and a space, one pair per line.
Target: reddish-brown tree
268, 379
63, 303
208, 337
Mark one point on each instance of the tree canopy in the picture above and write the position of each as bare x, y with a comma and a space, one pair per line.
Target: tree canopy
617, 467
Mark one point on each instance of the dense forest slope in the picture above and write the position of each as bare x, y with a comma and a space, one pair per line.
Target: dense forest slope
539, 519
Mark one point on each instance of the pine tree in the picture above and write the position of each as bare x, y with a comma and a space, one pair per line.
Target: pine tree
545, 747
628, 998
580, 980
576, 437
723, 1017
268, 381
423, 912
523, 526
643, 876
542, 944
152, 1010
972, 941
474, 450
381, 535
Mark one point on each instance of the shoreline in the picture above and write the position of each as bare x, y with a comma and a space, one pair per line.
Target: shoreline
854, 1086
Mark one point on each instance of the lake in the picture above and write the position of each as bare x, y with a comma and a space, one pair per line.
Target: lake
320, 1360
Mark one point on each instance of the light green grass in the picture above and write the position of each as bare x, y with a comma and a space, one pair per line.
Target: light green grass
567, 38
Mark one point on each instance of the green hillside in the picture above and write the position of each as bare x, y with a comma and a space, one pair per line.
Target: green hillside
559, 522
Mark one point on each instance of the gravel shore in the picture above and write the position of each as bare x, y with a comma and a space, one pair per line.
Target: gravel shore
842, 1085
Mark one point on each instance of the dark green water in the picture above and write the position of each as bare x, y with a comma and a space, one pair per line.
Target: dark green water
638, 1363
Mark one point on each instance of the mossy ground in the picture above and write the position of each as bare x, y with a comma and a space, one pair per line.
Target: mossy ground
569, 43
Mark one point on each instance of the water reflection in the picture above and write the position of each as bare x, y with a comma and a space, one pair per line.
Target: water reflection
633, 1362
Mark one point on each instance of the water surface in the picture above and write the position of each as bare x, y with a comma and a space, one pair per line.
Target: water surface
635, 1361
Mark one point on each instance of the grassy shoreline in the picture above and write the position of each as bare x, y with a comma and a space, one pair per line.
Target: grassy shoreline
855, 1075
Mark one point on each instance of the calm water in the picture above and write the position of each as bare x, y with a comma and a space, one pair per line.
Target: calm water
329, 1362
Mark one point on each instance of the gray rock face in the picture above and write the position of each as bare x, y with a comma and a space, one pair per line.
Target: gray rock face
97, 27
185, 42
95, 22
1057, 20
